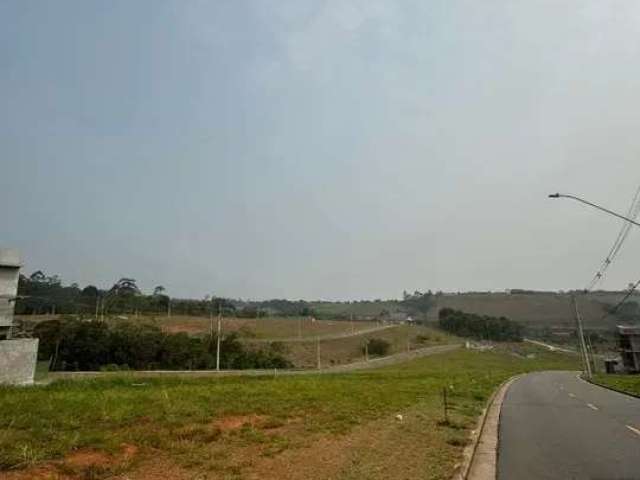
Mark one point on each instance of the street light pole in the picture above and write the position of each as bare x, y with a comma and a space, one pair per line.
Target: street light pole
606, 210
583, 345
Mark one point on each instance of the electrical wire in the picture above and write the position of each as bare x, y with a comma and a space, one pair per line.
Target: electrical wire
614, 310
633, 212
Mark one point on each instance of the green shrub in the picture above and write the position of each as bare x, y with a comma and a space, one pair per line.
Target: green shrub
378, 347
481, 327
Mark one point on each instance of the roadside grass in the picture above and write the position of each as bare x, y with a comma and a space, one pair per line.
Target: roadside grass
624, 383
231, 427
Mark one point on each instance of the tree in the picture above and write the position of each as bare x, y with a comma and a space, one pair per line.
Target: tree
377, 346
159, 290
125, 286
90, 291
38, 277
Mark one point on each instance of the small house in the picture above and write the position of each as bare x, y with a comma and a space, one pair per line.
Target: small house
629, 342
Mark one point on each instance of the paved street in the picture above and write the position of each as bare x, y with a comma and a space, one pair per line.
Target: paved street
556, 426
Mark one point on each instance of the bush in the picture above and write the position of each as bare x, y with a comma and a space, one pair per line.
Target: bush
480, 327
378, 347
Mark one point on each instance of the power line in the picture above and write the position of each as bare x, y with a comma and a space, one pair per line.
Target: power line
633, 212
621, 302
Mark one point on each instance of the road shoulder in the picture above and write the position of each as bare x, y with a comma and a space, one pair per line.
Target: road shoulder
481, 457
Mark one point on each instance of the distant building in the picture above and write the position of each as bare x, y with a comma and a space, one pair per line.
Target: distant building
9, 270
629, 337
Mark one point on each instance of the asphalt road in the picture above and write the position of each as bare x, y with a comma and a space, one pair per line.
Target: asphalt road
556, 426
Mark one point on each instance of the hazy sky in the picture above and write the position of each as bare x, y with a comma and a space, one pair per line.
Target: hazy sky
319, 149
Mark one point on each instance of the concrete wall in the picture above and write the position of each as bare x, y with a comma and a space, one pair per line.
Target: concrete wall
18, 361
8, 289
9, 270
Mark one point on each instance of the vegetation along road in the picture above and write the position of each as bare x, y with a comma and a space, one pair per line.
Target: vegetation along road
554, 425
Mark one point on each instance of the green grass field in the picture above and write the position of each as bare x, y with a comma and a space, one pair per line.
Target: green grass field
357, 309
624, 383
347, 350
339, 426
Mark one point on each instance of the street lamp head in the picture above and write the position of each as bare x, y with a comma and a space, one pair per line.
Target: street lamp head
554, 195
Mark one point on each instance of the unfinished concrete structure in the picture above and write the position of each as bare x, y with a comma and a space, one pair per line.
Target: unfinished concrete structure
629, 337
17, 356
9, 271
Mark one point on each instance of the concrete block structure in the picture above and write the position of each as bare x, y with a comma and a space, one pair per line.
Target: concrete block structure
17, 357
9, 271
629, 341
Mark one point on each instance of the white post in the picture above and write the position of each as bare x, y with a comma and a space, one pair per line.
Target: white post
218, 339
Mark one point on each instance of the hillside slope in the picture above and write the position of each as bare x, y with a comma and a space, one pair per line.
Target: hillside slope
535, 310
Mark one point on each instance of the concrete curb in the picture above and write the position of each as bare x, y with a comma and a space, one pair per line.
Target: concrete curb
480, 458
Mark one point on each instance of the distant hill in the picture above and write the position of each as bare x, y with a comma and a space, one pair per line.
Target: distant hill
543, 309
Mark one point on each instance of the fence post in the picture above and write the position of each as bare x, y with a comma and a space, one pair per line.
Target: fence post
445, 405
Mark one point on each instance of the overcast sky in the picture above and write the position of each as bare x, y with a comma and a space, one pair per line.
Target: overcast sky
319, 149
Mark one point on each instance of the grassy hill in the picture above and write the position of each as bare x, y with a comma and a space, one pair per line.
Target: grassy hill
535, 310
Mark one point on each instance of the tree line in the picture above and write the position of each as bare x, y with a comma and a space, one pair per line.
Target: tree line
40, 293
43, 294
479, 327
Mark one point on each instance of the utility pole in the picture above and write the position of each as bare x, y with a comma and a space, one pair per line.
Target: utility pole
169, 309
210, 323
318, 352
366, 350
218, 339
593, 358
583, 346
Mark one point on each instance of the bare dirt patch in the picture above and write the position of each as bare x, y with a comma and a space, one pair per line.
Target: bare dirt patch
231, 423
87, 458
84, 464
381, 449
